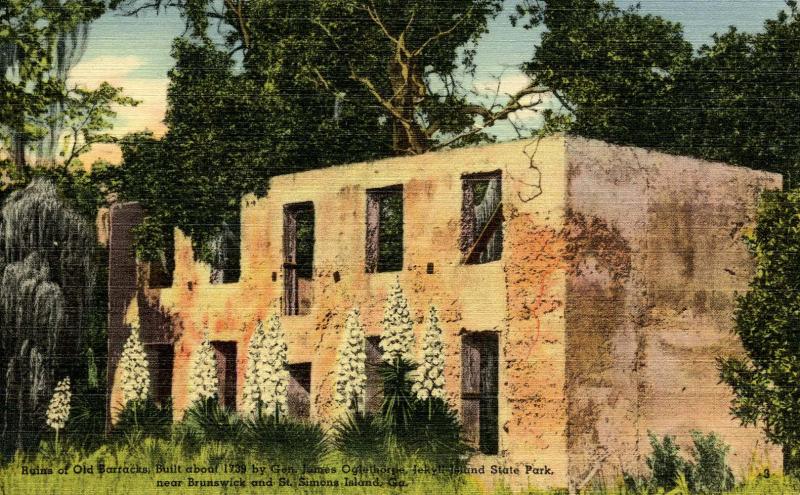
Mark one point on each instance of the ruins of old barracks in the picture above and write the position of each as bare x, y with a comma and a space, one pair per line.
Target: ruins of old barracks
584, 291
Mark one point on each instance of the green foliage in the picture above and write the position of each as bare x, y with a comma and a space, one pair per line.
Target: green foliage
40, 40
427, 429
87, 421
632, 78
83, 191
86, 116
665, 462
397, 409
767, 316
229, 132
287, 441
361, 436
390, 243
709, 471
435, 434
143, 419
611, 67
377, 67
210, 422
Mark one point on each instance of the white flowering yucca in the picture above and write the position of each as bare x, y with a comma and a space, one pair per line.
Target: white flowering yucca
258, 387
253, 384
351, 376
203, 381
135, 372
58, 410
267, 375
397, 338
429, 377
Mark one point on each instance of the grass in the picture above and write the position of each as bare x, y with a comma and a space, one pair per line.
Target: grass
230, 462
227, 461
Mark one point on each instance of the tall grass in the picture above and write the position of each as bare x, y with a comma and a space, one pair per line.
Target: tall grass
223, 457
227, 456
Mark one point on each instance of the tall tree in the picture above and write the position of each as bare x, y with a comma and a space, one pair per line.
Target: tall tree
612, 69
765, 380
631, 78
46, 290
40, 40
229, 131
402, 58
313, 83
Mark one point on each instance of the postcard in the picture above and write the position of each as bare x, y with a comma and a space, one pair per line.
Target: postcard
390, 247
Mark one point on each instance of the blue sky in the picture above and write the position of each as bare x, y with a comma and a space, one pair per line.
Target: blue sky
134, 52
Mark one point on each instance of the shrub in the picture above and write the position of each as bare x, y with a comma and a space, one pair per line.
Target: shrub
429, 377
285, 440
87, 422
143, 418
428, 429
58, 410
397, 337
397, 410
434, 434
351, 376
135, 374
709, 471
360, 436
207, 421
665, 462
203, 381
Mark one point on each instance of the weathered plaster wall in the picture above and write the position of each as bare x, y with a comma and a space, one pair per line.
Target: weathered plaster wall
612, 298
521, 296
657, 259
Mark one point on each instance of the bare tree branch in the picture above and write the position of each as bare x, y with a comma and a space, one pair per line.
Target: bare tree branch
152, 5
563, 101
442, 34
241, 28
373, 14
374, 91
491, 117
368, 84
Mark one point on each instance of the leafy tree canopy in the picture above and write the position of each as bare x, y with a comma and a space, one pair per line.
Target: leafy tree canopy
631, 78
267, 87
401, 58
40, 40
228, 132
765, 381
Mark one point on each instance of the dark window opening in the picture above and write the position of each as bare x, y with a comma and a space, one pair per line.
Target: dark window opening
481, 218
479, 390
226, 372
384, 230
226, 254
300, 390
298, 263
374, 386
162, 268
160, 358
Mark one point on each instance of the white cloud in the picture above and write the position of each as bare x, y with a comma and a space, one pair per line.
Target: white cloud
150, 92
91, 72
117, 71
509, 84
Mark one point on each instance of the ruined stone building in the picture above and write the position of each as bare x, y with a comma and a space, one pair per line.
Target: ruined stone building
584, 291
